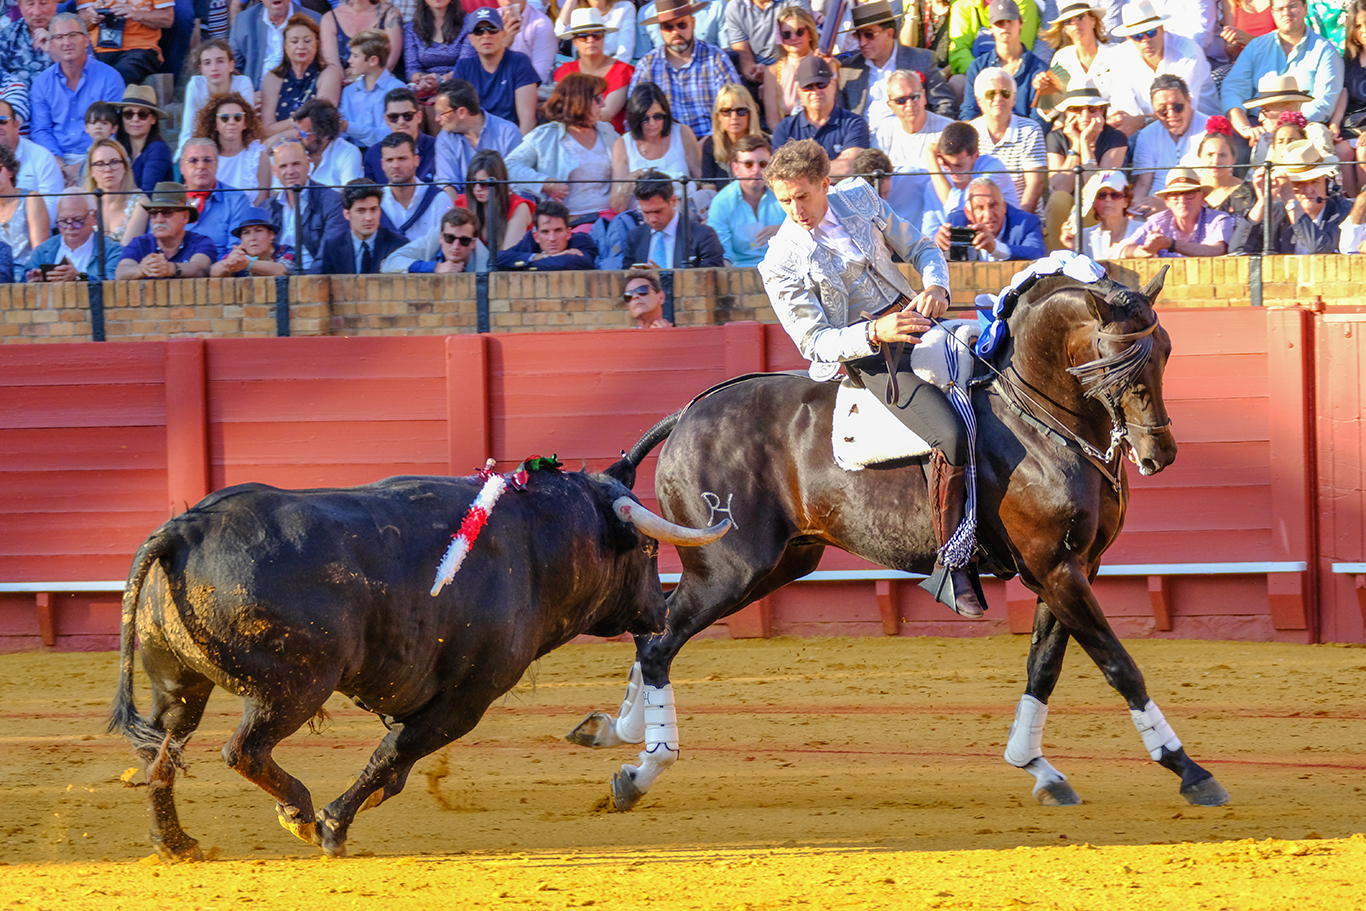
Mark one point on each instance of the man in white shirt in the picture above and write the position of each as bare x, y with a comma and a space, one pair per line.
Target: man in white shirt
335, 161
414, 208
1149, 51
38, 169
906, 136
1174, 139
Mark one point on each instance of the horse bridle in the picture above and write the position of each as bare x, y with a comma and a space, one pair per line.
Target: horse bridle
1105, 378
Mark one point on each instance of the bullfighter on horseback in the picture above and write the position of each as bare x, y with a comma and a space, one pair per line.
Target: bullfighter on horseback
830, 264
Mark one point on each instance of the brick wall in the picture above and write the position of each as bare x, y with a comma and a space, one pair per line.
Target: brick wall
531, 302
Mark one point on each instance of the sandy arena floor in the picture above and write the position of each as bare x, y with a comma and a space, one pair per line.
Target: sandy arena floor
816, 773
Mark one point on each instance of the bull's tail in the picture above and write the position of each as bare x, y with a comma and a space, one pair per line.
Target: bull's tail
123, 716
653, 437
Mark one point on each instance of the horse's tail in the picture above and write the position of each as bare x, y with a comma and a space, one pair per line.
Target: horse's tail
653, 437
123, 716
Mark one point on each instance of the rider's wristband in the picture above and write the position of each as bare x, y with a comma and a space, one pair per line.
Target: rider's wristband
870, 333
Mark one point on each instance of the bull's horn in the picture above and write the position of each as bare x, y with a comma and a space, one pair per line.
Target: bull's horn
660, 528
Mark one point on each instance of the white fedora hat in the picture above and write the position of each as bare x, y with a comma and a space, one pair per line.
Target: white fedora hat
1274, 87
1138, 17
1302, 161
586, 19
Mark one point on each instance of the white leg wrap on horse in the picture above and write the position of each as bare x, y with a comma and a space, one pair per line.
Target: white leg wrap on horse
630, 723
1155, 730
661, 736
1044, 773
1026, 732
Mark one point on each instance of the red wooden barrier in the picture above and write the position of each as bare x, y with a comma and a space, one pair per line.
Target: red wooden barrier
100, 443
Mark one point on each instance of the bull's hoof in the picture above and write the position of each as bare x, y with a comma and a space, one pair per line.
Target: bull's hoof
593, 731
625, 794
1206, 793
1057, 794
178, 849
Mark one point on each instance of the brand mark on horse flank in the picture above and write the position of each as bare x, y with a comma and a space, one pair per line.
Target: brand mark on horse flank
714, 504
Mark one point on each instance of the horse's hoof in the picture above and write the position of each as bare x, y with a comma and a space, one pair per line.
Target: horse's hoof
1206, 793
593, 731
1057, 794
178, 850
625, 794
304, 831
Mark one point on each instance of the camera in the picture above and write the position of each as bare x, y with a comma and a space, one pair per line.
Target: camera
110, 35
960, 244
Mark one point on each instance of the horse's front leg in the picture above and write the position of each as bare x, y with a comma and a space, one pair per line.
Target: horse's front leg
1072, 601
1024, 749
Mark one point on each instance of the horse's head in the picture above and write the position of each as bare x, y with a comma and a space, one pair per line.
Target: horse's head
1131, 349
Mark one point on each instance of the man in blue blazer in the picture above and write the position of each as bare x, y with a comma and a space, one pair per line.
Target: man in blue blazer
360, 243
250, 30
875, 28
659, 241
1002, 230
322, 207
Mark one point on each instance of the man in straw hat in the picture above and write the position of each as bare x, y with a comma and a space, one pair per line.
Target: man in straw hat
167, 250
1149, 51
63, 91
1310, 220
1292, 49
1276, 94
709, 25
863, 76
831, 261
690, 72
1187, 227
127, 34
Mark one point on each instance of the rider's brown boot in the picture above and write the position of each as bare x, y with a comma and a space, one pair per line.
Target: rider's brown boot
950, 499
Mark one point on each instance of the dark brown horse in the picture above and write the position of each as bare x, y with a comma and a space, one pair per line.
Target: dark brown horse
1077, 384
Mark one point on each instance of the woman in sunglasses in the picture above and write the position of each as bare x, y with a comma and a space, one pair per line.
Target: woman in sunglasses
1078, 36
618, 15
213, 72
140, 135
653, 141
1106, 199
124, 211
734, 116
23, 217
488, 195
301, 75
235, 129
797, 35
590, 32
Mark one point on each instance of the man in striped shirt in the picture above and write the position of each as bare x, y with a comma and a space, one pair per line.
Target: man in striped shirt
689, 71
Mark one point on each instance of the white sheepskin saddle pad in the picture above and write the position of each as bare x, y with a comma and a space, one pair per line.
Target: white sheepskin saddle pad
865, 432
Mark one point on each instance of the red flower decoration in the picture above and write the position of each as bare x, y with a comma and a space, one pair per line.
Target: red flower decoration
1294, 117
1220, 125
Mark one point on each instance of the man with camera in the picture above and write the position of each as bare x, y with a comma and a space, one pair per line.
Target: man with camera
127, 34
989, 229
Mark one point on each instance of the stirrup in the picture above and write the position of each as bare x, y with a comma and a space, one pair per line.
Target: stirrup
940, 585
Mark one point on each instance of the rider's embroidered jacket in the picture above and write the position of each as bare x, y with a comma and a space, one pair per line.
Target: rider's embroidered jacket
814, 292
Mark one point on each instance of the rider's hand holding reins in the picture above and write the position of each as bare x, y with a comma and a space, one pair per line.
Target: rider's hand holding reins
909, 324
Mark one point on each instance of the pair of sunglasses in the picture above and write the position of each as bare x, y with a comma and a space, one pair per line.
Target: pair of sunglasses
485, 30
1143, 36
638, 291
232, 118
902, 99
405, 116
1003, 94
452, 239
799, 32
137, 114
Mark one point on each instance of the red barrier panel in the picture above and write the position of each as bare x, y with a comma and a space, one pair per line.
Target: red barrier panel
101, 442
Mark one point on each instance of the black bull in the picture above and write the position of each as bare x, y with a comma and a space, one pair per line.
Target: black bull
282, 597
1086, 360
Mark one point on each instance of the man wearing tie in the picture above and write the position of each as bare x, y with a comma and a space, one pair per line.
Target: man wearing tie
659, 241
830, 264
360, 243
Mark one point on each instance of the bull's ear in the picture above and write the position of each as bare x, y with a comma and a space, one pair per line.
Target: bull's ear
1154, 286
624, 471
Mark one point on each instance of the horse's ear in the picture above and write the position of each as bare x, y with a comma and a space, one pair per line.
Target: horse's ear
1099, 307
1154, 286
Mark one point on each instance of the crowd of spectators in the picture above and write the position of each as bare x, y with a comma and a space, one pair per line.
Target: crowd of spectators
366, 136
